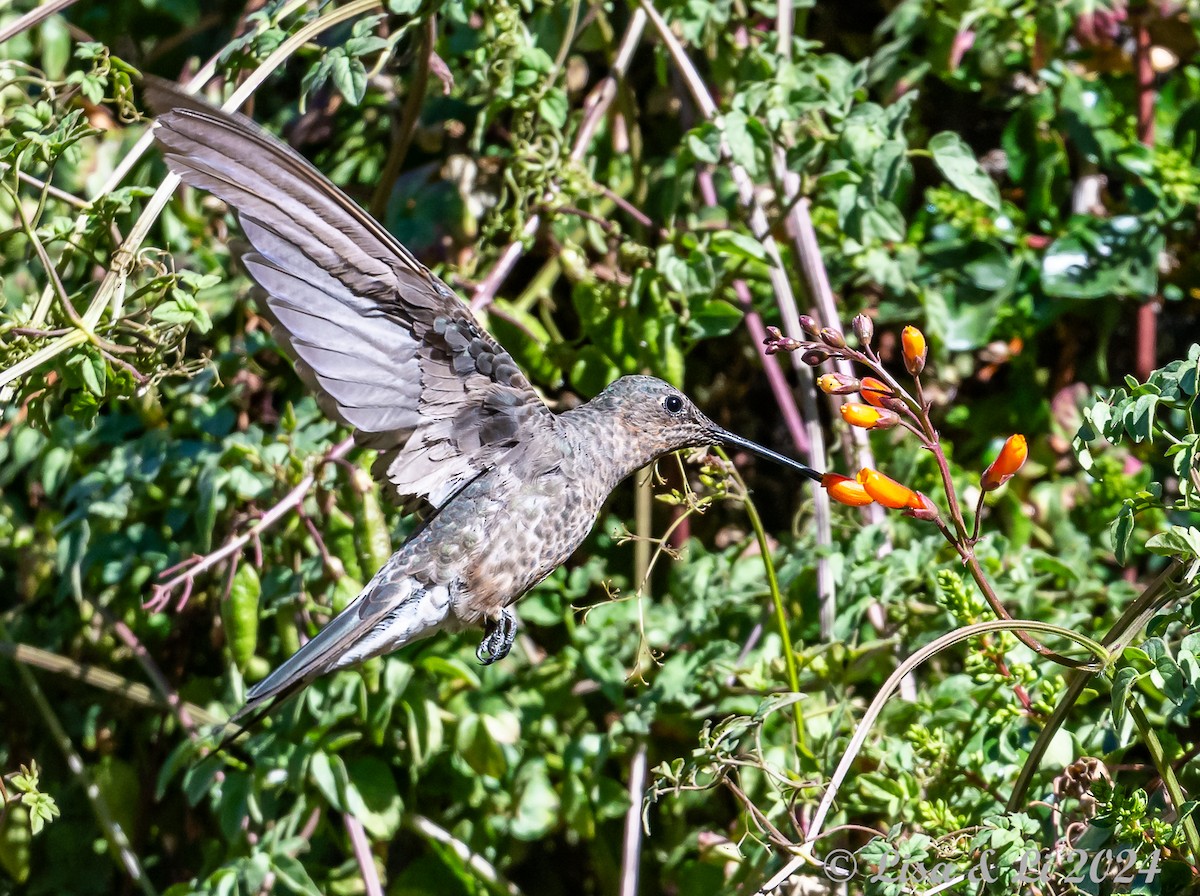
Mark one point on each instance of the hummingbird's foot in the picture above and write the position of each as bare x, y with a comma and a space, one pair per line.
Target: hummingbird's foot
498, 637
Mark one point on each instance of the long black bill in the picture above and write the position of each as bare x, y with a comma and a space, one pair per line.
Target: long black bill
728, 438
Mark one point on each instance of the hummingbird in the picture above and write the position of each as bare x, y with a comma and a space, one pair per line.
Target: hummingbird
511, 487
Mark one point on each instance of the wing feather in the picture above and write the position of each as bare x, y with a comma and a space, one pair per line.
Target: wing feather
388, 348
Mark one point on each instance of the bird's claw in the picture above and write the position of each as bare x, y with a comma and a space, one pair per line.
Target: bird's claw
498, 637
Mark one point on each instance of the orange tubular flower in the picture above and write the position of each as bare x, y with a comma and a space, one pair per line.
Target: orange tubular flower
845, 490
867, 417
1010, 459
873, 391
915, 349
888, 492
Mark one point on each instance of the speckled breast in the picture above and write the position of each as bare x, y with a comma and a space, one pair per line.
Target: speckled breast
531, 532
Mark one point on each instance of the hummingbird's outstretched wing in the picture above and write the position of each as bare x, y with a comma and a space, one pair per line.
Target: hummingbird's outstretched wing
389, 349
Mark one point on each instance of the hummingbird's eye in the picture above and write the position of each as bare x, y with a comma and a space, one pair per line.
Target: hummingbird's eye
673, 404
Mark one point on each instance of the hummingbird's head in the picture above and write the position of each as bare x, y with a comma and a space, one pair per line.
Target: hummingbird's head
666, 420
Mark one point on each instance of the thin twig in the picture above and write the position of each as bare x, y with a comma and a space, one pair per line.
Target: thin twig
48, 188
1164, 588
785, 297
28, 20
362, 855
480, 866
785, 400
162, 593
150, 667
406, 127
111, 292
132, 691
863, 730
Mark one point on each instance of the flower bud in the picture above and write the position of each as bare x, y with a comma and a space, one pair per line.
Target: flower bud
815, 356
776, 342
845, 490
864, 329
887, 492
874, 391
838, 384
809, 326
1010, 459
833, 338
915, 349
867, 417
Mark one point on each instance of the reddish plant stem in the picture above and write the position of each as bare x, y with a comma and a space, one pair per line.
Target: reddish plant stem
162, 593
1147, 315
784, 398
362, 855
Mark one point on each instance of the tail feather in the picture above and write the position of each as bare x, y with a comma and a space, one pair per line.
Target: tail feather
393, 610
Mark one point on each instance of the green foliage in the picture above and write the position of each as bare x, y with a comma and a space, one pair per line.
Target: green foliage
975, 168
1160, 410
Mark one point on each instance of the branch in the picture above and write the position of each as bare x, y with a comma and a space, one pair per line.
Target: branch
484, 869
362, 854
162, 593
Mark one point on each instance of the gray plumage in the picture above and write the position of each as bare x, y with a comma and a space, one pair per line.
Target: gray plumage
392, 352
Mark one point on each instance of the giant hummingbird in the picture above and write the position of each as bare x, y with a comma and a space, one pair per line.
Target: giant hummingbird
392, 352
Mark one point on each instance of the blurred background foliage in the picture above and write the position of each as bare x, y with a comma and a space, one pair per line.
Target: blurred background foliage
1016, 177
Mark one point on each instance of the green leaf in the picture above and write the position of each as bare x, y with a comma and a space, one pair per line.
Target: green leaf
738, 245
958, 163
714, 318
537, 804
1178, 541
1123, 682
553, 108
1139, 419
350, 77
292, 875
1099, 259
479, 748
1172, 676
379, 806
739, 140
329, 774
1122, 531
